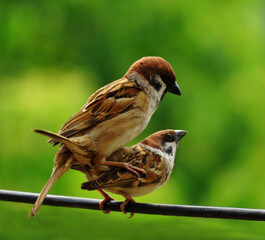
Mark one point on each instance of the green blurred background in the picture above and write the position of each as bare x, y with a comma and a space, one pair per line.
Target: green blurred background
55, 54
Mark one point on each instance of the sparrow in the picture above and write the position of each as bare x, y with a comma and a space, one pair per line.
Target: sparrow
112, 116
155, 155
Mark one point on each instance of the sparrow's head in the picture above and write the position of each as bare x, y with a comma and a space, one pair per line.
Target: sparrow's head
157, 72
165, 142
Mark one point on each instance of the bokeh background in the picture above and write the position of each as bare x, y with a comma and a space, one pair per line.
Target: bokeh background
55, 54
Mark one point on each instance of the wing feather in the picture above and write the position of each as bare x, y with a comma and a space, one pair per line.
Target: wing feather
113, 99
120, 177
116, 178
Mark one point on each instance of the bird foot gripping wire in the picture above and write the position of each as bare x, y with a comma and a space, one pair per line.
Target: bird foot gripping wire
128, 199
107, 198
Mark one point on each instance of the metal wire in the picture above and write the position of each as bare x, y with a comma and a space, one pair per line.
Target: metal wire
144, 208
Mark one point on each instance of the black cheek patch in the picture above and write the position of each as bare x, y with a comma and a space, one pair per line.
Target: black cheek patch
157, 86
169, 150
155, 83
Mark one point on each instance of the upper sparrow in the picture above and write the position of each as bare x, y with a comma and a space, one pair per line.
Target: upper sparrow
112, 116
155, 155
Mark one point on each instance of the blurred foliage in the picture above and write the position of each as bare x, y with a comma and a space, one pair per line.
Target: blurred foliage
55, 54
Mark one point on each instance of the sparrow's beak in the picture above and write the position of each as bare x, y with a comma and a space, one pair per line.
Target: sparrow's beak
180, 134
174, 89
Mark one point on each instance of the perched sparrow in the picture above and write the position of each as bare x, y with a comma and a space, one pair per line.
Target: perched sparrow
155, 155
112, 116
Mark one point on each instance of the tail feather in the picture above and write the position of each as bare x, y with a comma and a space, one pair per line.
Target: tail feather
56, 137
74, 147
56, 174
63, 161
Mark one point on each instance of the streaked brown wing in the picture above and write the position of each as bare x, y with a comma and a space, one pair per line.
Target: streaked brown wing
123, 178
115, 178
109, 101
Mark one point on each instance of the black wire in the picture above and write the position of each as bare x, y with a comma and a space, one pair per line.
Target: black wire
145, 208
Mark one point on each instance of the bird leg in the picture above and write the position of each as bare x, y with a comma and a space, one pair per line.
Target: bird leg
127, 166
128, 199
107, 199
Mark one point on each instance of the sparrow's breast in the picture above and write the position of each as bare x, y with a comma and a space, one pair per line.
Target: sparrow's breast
118, 131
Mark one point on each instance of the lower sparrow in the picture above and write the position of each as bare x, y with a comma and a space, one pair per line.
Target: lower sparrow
155, 155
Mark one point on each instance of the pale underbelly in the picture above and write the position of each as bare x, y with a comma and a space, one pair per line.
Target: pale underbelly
119, 131
135, 191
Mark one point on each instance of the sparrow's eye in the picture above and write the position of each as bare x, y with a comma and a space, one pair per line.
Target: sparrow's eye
169, 138
155, 83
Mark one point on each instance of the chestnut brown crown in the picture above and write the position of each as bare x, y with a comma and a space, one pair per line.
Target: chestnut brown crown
148, 67
158, 139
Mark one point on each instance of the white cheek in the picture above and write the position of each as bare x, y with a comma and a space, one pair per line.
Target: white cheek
152, 93
163, 88
171, 146
171, 158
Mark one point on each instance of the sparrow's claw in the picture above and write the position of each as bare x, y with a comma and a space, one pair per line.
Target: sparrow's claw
103, 202
122, 206
127, 200
127, 166
132, 214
